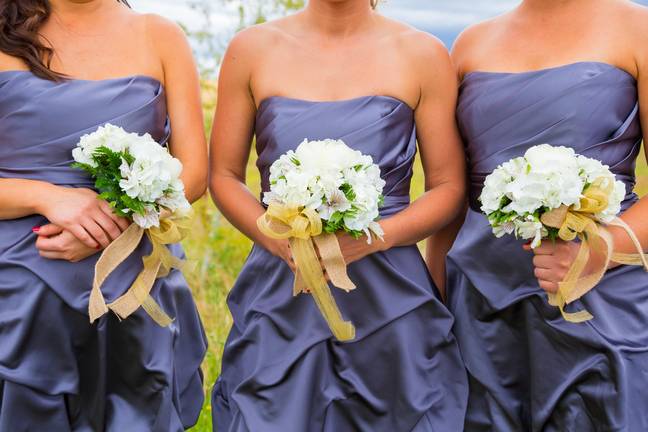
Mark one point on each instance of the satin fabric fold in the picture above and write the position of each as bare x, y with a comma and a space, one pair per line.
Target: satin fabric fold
282, 369
58, 372
529, 369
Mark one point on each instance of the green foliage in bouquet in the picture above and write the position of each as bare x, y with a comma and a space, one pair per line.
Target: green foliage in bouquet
107, 175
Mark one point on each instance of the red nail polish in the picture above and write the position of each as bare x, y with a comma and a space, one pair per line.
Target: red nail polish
36, 229
98, 247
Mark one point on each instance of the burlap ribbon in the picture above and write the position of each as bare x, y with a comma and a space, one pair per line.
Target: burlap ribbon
303, 229
172, 229
594, 238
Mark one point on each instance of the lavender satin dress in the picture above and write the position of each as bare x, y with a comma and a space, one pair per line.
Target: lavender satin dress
58, 372
282, 369
530, 370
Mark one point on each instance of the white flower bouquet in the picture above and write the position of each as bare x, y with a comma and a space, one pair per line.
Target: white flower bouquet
135, 174
321, 188
552, 192
141, 181
341, 184
519, 192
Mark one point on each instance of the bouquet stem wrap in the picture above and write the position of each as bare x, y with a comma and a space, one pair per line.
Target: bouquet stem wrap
303, 229
581, 223
172, 229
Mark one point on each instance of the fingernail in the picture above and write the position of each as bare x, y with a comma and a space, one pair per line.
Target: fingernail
98, 247
36, 229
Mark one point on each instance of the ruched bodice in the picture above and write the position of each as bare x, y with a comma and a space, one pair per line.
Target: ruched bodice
282, 369
591, 107
529, 369
59, 115
57, 371
363, 123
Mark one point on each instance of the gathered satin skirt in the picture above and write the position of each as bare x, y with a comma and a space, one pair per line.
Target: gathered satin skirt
283, 371
529, 369
60, 373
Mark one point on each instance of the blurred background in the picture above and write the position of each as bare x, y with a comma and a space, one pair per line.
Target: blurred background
215, 246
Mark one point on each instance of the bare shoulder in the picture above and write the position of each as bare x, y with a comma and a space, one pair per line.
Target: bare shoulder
628, 24
472, 40
633, 20
258, 40
10, 63
162, 30
421, 48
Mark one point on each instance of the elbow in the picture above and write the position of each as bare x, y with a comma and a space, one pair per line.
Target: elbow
197, 193
455, 193
196, 187
215, 189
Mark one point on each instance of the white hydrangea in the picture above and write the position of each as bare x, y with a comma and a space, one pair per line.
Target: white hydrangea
545, 178
148, 173
109, 136
331, 178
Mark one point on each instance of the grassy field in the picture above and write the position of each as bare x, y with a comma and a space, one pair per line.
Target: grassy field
220, 250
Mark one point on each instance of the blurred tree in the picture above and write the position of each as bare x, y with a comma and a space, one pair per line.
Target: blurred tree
210, 44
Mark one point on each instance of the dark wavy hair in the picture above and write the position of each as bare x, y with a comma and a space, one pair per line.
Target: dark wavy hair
20, 24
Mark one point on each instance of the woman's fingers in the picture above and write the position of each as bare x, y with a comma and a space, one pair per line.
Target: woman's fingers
48, 230
546, 248
50, 255
49, 244
97, 233
121, 222
108, 225
547, 275
543, 261
551, 287
84, 237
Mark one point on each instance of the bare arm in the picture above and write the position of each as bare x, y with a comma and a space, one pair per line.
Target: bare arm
437, 248
20, 198
231, 143
440, 243
441, 153
182, 85
636, 215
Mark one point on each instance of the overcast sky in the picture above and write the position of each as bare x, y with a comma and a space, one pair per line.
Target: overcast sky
443, 18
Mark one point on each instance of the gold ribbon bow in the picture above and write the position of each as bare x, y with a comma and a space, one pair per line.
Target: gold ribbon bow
173, 229
303, 229
581, 223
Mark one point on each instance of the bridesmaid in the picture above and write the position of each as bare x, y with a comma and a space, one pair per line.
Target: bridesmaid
340, 70
67, 67
570, 73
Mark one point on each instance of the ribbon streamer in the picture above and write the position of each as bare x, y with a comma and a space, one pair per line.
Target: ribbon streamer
172, 229
581, 223
303, 230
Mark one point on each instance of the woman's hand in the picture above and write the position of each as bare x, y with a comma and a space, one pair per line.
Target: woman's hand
58, 244
552, 261
355, 249
86, 217
281, 249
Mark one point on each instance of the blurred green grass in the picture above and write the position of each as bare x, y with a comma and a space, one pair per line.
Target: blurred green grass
220, 251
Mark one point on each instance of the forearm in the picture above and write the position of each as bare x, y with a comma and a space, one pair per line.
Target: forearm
238, 205
425, 216
20, 198
438, 246
636, 218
